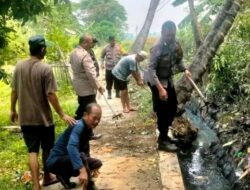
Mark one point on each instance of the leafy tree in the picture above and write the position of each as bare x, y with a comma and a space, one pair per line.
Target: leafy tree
21, 10
102, 14
231, 69
195, 25
17, 47
228, 79
204, 9
203, 58
53, 25
60, 28
103, 29
142, 36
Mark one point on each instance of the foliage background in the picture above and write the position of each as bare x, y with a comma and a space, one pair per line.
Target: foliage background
228, 81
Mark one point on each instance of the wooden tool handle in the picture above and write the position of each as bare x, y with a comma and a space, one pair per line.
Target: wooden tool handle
198, 90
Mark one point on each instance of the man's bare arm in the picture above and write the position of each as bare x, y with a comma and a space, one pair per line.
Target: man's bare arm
137, 77
52, 97
13, 100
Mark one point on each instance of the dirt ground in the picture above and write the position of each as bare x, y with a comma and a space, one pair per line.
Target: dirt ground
127, 150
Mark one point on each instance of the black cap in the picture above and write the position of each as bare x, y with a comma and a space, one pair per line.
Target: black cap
37, 41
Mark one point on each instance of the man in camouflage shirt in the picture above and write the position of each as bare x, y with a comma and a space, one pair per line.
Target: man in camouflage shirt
110, 56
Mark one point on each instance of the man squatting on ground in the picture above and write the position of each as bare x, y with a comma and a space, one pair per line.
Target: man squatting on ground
126, 66
110, 56
85, 82
166, 57
71, 153
34, 87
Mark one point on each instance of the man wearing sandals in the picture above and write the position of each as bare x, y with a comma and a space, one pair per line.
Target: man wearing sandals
34, 88
71, 153
126, 66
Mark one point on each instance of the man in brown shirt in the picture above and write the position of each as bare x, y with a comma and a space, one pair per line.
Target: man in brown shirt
110, 56
34, 87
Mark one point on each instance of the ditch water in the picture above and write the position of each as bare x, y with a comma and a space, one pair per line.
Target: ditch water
200, 170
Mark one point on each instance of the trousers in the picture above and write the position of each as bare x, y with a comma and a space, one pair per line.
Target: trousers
63, 166
83, 101
109, 80
165, 110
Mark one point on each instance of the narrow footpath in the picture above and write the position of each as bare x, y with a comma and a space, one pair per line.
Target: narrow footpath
129, 155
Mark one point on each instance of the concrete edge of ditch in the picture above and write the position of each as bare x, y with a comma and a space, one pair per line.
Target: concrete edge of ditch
171, 176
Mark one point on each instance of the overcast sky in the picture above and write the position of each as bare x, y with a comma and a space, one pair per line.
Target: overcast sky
137, 11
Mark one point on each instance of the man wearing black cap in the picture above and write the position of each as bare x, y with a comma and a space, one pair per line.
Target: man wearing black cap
34, 87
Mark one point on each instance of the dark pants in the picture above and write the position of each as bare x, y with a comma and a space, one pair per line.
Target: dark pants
119, 84
83, 101
109, 80
63, 166
36, 136
165, 110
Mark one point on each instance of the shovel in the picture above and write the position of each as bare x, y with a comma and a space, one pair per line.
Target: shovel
198, 90
115, 116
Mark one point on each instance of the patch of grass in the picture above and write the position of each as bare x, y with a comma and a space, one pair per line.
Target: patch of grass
10, 183
142, 98
4, 103
13, 158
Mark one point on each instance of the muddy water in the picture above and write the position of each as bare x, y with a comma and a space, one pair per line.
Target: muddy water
200, 171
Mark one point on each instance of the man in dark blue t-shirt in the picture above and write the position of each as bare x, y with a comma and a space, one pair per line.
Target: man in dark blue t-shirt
71, 154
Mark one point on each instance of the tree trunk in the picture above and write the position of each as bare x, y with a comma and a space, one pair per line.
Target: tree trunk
195, 25
203, 58
143, 34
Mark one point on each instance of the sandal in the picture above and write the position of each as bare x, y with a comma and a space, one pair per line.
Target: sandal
51, 182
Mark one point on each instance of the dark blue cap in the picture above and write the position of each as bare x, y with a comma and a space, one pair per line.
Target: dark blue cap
37, 41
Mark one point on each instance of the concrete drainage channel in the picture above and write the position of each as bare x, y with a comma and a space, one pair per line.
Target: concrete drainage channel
206, 165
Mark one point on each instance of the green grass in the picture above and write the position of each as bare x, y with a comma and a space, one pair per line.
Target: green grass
4, 103
142, 99
13, 158
13, 154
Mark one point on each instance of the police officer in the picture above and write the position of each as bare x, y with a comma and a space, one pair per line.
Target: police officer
93, 56
110, 56
166, 58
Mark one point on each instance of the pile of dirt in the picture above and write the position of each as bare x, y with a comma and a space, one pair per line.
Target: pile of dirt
184, 131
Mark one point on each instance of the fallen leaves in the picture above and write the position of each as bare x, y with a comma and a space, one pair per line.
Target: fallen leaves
26, 178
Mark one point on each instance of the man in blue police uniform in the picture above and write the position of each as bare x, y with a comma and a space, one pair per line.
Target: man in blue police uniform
166, 58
